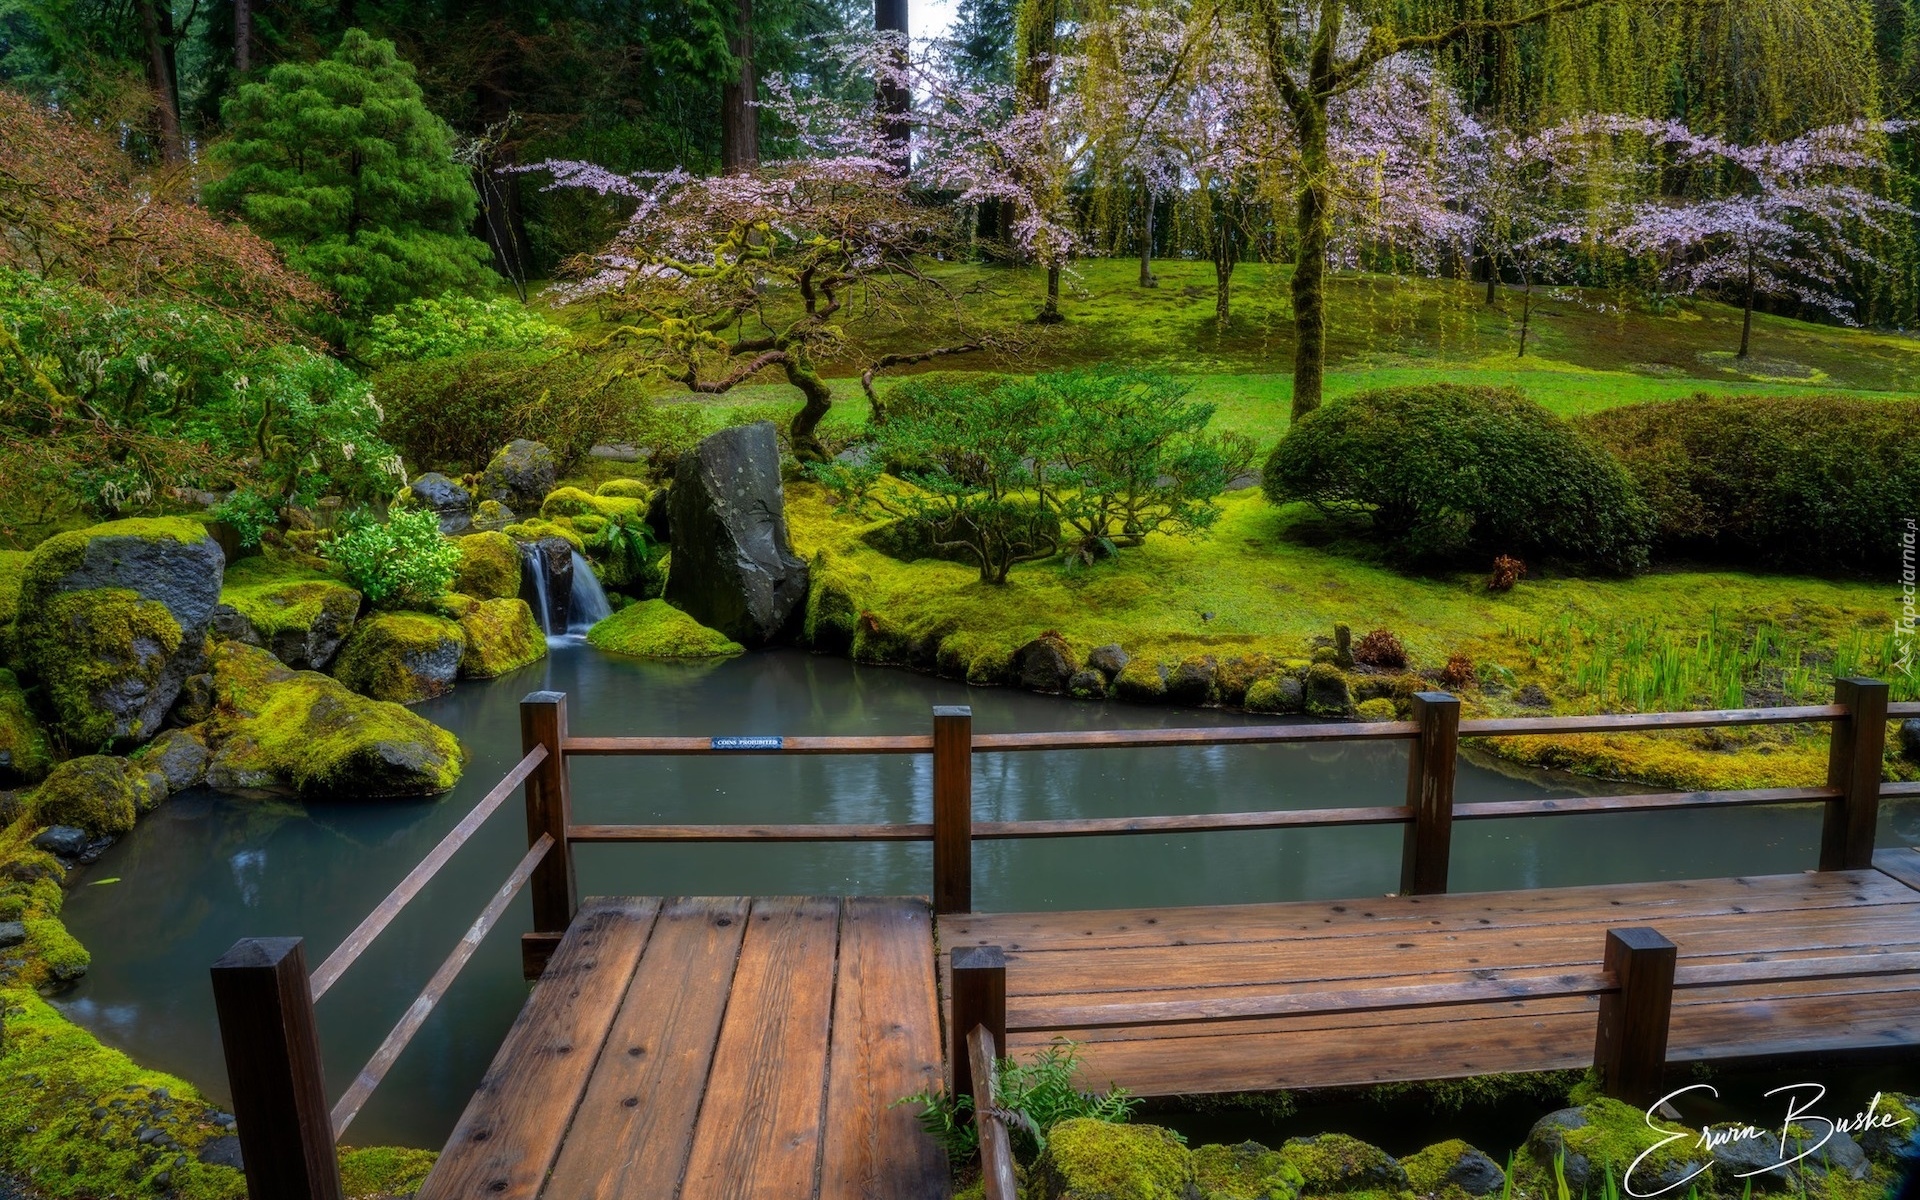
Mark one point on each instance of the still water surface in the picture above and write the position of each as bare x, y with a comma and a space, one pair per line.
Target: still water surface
207, 869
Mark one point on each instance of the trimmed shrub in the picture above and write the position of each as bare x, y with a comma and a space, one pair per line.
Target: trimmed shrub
460, 408
1807, 482
1447, 471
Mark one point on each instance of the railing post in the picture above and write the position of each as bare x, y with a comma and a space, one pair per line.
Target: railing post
996, 1153
1430, 772
543, 722
264, 1002
1859, 741
979, 998
952, 809
1630, 1046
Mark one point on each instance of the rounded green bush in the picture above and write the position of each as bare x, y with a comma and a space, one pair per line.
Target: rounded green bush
1810, 482
1448, 472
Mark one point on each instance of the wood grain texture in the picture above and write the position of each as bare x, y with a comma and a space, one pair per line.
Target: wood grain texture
886, 1044
507, 1138
634, 1127
1902, 864
758, 1135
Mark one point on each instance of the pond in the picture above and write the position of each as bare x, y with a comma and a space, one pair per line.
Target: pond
207, 869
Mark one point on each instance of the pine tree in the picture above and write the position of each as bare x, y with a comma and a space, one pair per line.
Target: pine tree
340, 164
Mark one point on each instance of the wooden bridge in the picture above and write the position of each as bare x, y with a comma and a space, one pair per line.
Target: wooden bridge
698, 1048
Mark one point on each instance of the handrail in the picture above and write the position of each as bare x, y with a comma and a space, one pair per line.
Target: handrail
1483, 810
996, 1148
356, 943
1898, 790
1905, 708
1616, 722
416, 1015
1222, 735
750, 833
907, 743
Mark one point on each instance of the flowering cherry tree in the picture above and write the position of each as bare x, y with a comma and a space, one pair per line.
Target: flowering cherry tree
1778, 219
717, 280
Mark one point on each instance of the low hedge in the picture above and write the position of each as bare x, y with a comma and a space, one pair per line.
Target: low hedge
1801, 482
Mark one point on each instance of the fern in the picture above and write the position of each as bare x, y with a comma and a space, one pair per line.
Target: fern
1031, 1098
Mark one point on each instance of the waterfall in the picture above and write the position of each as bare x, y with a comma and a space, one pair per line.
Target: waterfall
545, 588
588, 604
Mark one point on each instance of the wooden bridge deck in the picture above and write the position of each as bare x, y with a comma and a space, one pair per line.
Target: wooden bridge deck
720, 1048
1171, 958
714, 1049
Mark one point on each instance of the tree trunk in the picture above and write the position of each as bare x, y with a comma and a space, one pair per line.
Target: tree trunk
157, 28
1222, 291
739, 119
802, 432
1050, 314
500, 221
242, 36
890, 16
1146, 241
1526, 309
1310, 260
1746, 319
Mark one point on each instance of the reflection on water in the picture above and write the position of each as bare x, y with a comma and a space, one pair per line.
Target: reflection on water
207, 869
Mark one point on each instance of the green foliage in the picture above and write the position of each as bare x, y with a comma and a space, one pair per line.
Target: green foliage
400, 564
1809, 482
1447, 471
249, 513
1031, 1097
341, 164
628, 555
463, 407
452, 325
656, 629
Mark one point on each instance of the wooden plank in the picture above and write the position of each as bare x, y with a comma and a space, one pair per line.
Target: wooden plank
759, 1131
510, 1132
749, 833
1902, 864
1487, 810
1222, 735
910, 743
996, 1149
1513, 910
634, 1127
1622, 722
1298, 818
886, 1045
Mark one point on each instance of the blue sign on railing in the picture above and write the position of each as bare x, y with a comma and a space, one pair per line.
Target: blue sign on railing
746, 743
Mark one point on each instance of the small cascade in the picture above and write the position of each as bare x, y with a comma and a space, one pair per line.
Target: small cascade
546, 582
588, 603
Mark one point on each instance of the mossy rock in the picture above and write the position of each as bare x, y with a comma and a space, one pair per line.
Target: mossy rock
1453, 1169
1333, 1163
879, 641
13, 570
1248, 1171
301, 731
991, 666
501, 636
573, 502
80, 1120
1888, 1143
626, 489
491, 516
111, 620
833, 609
1190, 682
1326, 691
1141, 682
520, 475
540, 527
1275, 694
95, 792
1375, 710
1605, 1135
656, 629
24, 754
405, 657
385, 1170
298, 614
489, 566
1238, 674
179, 756
1087, 1159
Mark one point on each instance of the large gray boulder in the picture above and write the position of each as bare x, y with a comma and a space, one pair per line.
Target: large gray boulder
733, 568
520, 476
445, 499
113, 619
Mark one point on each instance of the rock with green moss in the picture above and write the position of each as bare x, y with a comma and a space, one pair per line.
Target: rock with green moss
24, 754
300, 731
1238, 675
1606, 1136
1087, 1159
405, 657
501, 636
656, 629
1191, 680
540, 528
1046, 664
991, 666
1375, 710
1248, 1171
1326, 691
520, 475
1087, 684
1141, 682
13, 569
491, 516
298, 614
489, 567
178, 756
112, 619
627, 489
1276, 694
1452, 1167
95, 792
1333, 1162
575, 502
833, 609
384, 1170
1899, 1121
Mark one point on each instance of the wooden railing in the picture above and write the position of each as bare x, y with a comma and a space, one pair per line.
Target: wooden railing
264, 994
